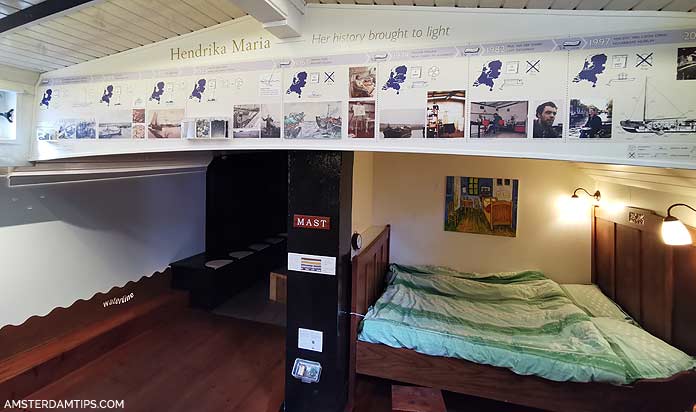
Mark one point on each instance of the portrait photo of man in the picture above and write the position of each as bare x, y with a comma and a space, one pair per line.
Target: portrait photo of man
545, 124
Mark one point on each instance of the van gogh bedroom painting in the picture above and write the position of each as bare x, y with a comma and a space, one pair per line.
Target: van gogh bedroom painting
482, 205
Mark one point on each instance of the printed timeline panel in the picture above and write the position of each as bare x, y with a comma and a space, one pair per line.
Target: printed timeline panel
403, 95
257, 106
313, 102
518, 95
643, 94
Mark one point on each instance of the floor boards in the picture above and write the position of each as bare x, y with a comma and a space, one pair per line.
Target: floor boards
196, 362
204, 362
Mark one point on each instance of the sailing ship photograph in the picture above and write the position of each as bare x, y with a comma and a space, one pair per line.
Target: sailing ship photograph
165, 124
115, 125
686, 63
315, 120
656, 114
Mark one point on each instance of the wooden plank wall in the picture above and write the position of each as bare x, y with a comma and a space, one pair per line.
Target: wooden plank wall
653, 282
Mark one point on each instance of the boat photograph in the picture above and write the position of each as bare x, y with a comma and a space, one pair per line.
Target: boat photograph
673, 120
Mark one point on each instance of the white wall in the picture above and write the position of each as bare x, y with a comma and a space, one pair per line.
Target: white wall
23, 82
363, 176
409, 194
60, 243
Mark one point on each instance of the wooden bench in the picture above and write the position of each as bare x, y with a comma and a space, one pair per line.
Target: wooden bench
417, 399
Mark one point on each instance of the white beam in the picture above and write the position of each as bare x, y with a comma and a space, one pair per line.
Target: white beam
283, 18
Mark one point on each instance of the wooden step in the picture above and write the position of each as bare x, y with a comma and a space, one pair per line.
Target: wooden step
25, 372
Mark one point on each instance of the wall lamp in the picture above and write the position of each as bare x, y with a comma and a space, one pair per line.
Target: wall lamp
597, 196
673, 230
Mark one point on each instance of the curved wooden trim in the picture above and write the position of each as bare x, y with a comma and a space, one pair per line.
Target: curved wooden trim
62, 320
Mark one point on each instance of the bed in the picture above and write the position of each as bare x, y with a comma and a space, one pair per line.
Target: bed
653, 283
497, 212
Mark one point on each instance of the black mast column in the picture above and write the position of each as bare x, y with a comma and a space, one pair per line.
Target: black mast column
320, 184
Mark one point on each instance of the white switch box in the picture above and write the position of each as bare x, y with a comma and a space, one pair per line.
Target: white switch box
309, 339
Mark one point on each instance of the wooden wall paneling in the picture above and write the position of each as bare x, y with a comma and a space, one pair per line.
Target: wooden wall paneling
593, 245
96, 14
656, 286
61, 321
684, 316
605, 256
193, 13
59, 37
142, 22
159, 16
167, 10
627, 272
100, 24
82, 33
117, 42
38, 42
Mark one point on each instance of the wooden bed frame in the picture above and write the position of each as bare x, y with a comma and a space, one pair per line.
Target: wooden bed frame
654, 283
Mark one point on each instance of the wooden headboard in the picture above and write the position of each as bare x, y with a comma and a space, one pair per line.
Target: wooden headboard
369, 266
653, 282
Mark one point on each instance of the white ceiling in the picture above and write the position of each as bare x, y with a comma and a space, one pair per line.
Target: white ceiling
102, 28
666, 5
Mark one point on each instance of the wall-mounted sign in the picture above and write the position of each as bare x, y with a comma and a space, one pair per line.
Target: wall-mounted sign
325, 265
311, 222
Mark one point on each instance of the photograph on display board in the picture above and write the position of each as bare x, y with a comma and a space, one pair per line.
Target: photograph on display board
86, 129
138, 116
548, 119
219, 128
115, 124
402, 124
686, 63
363, 80
45, 131
165, 124
445, 113
246, 121
270, 121
8, 105
656, 112
202, 128
590, 117
361, 118
188, 129
66, 129
315, 120
481, 205
499, 119
139, 131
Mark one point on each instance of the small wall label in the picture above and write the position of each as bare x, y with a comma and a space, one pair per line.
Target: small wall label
325, 265
311, 222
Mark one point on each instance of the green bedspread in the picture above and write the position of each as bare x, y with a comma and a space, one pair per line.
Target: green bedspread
521, 321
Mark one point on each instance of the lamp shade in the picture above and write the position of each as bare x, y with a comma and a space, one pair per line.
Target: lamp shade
674, 232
